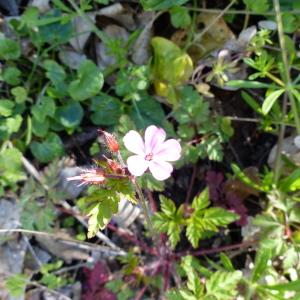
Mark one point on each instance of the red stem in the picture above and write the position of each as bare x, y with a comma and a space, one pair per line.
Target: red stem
215, 250
152, 201
141, 293
189, 191
132, 239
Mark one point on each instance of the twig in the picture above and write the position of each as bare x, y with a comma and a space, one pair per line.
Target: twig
152, 201
203, 252
190, 188
79, 244
240, 12
141, 293
99, 234
71, 268
44, 288
253, 120
132, 238
31, 250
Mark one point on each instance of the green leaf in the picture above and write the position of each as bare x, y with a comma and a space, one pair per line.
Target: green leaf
56, 74
11, 75
245, 179
194, 284
226, 262
270, 100
200, 224
243, 84
43, 108
270, 226
20, 94
6, 107
49, 149
171, 68
100, 215
289, 22
261, 262
167, 206
251, 102
146, 112
13, 124
39, 128
44, 216
180, 17
70, 115
11, 166
257, 6
169, 220
53, 28
192, 107
291, 183
161, 4
282, 287
223, 285
201, 201
16, 284
106, 110
9, 49
89, 83
186, 132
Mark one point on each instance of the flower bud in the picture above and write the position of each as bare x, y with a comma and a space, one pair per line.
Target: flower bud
111, 141
92, 176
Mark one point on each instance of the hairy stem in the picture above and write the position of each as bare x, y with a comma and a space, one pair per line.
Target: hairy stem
142, 202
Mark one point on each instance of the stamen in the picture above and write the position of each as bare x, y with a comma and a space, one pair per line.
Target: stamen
149, 156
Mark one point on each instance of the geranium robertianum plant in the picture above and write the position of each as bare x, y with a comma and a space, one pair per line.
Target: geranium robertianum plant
116, 180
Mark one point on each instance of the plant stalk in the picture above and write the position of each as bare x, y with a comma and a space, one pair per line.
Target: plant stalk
288, 82
142, 202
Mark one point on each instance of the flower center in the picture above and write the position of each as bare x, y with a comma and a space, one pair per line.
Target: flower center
149, 156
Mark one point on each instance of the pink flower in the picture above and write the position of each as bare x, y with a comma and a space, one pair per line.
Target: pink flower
154, 153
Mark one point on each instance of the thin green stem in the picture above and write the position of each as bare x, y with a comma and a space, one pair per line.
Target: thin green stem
240, 12
286, 64
101, 35
275, 79
143, 203
277, 167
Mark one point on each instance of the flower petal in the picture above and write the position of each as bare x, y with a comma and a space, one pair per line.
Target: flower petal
134, 142
154, 136
168, 151
137, 165
160, 170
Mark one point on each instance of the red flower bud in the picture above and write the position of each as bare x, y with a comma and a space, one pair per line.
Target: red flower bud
114, 166
111, 141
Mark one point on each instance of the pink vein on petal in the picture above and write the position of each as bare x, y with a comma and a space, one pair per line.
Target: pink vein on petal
160, 170
154, 136
169, 150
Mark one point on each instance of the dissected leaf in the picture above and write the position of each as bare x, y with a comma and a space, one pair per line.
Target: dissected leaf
223, 285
